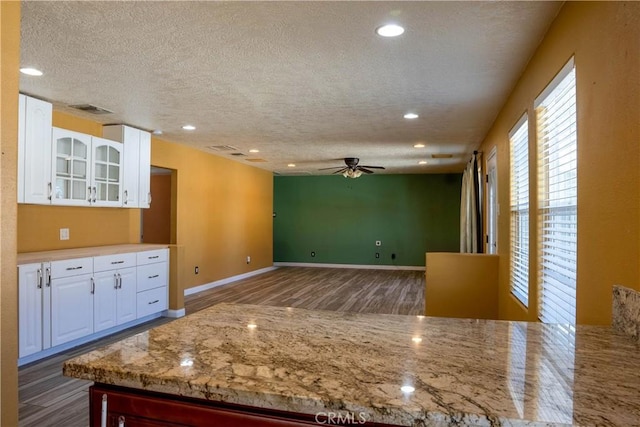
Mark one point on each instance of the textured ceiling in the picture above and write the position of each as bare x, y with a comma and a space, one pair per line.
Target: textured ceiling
303, 82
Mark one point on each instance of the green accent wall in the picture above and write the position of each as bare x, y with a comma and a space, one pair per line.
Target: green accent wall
340, 219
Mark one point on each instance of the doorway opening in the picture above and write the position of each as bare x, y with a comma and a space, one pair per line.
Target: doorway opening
158, 222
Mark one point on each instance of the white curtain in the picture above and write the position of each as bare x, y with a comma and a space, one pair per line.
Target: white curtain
471, 207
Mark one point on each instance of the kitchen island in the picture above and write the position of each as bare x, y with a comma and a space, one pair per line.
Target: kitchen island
285, 366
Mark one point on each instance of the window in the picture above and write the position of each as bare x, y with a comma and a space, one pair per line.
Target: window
557, 198
519, 268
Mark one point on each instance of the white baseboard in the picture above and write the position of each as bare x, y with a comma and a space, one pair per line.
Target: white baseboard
359, 266
175, 314
221, 282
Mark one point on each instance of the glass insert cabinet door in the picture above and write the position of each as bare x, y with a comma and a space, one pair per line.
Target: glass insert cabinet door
107, 172
71, 168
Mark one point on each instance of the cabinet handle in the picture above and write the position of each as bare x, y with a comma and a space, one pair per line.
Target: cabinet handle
74, 268
95, 194
89, 198
121, 421
50, 186
126, 196
103, 412
117, 262
39, 278
154, 257
119, 281
149, 197
93, 286
153, 302
115, 280
153, 277
48, 270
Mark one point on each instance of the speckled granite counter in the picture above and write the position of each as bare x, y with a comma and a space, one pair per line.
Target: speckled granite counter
464, 372
62, 254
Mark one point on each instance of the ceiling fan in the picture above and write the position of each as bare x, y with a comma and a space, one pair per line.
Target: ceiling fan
352, 170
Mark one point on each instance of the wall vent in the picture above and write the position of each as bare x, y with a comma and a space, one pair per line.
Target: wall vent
238, 154
441, 156
91, 109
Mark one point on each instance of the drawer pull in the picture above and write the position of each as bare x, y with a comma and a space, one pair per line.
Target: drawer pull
154, 257
154, 276
74, 268
117, 262
153, 302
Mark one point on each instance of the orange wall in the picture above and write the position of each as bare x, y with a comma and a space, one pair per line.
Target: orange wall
461, 285
224, 212
39, 226
9, 64
605, 39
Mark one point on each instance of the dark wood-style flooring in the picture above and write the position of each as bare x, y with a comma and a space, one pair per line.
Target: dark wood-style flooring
49, 399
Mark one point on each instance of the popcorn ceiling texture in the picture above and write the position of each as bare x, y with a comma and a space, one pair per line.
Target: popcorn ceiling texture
304, 82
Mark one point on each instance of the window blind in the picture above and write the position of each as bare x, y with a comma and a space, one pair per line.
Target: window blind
557, 210
519, 268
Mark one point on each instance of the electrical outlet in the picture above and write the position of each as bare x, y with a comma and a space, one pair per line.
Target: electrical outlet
248, 259
196, 270
378, 243
393, 256
377, 254
313, 254
64, 234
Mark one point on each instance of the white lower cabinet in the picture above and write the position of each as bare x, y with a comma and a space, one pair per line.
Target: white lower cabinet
71, 308
71, 300
34, 308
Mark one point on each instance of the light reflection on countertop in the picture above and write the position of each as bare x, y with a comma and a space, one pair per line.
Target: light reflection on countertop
473, 372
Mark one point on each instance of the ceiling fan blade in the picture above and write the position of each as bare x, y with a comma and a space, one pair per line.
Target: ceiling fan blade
340, 171
335, 167
363, 169
372, 167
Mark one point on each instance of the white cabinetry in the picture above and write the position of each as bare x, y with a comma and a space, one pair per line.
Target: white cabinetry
68, 302
34, 151
137, 164
72, 288
152, 282
115, 290
34, 308
87, 170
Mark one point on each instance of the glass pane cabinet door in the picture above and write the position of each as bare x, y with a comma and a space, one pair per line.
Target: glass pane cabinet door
107, 172
71, 168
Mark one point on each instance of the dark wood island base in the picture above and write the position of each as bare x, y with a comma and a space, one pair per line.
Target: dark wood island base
127, 407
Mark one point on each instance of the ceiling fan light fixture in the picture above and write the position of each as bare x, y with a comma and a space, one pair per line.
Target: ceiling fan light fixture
389, 30
352, 173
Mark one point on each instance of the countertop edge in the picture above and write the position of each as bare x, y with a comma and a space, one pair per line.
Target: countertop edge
92, 251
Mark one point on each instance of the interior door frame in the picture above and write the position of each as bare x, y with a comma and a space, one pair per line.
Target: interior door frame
493, 206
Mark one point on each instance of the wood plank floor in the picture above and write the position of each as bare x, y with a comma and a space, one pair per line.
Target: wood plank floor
49, 399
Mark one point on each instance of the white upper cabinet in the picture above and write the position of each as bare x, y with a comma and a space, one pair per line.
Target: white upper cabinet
34, 151
107, 172
136, 191
86, 170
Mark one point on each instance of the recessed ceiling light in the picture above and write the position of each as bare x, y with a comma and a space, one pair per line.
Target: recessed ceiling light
291, 165
157, 132
189, 127
31, 71
411, 116
418, 145
253, 150
422, 162
389, 30
407, 389
416, 340
252, 326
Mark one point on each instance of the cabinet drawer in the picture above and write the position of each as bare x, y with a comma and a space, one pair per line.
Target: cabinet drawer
151, 301
148, 257
112, 262
71, 267
152, 276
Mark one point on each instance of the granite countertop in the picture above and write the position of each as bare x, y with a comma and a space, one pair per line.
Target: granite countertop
463, 371
62, 254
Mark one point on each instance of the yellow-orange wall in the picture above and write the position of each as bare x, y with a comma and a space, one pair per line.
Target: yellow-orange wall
605, 39
9, 64
461, 285
224, 212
